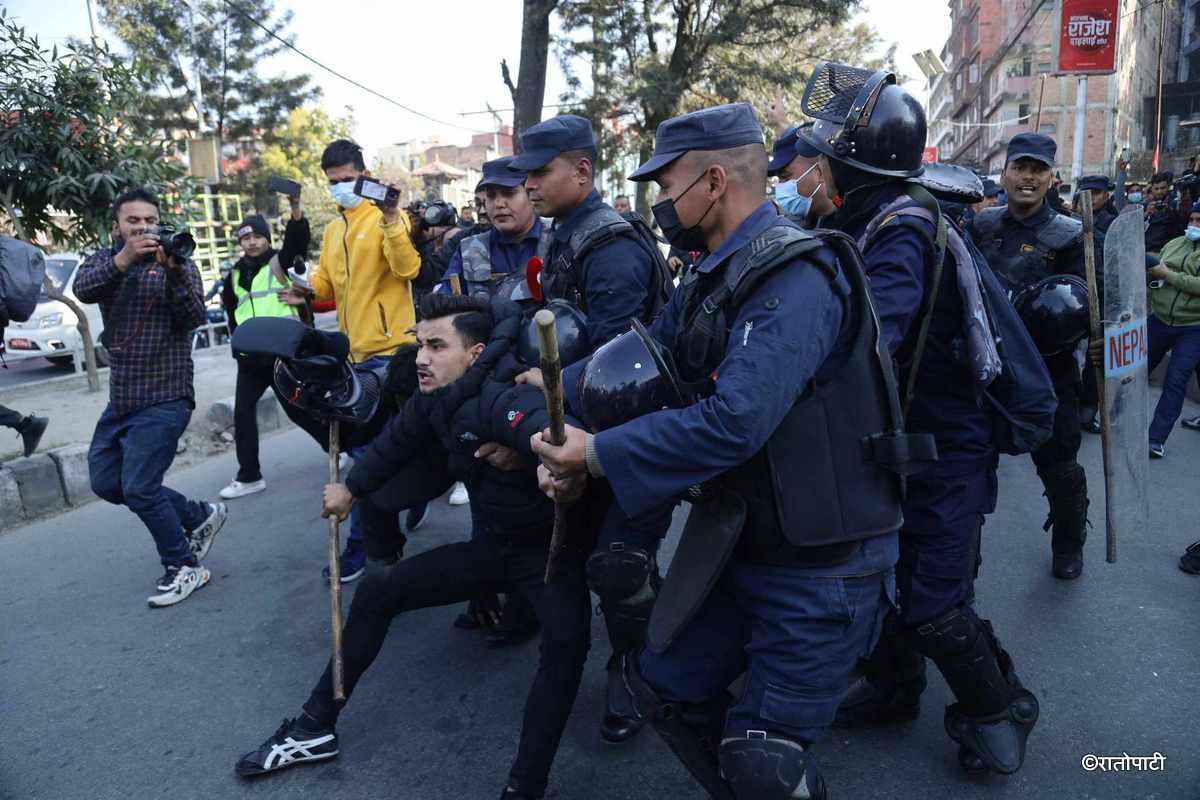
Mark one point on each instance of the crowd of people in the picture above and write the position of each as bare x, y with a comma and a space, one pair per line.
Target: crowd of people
779, 358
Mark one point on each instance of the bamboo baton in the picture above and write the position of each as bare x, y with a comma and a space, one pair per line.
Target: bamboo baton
335, 571
552, 386
1089, 260
455, 285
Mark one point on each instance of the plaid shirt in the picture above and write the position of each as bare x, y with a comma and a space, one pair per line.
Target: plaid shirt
151, 351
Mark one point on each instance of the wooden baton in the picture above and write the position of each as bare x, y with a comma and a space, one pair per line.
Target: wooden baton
1097, 324
552, 387
455, 284
335, 571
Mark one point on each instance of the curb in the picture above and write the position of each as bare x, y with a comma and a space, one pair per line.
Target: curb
57, 480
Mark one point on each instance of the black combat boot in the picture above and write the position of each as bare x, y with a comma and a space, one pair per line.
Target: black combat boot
889, 690
31, 430
1066, 489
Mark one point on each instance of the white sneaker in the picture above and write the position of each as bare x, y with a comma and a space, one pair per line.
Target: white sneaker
184, 581
458, 495
201, 539
239, 489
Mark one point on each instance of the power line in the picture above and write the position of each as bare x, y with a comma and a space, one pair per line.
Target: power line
346, 78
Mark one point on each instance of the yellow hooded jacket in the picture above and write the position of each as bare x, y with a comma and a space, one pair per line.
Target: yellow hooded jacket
366, 267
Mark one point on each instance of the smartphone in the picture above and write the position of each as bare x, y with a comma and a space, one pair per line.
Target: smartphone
283, 186
378, 193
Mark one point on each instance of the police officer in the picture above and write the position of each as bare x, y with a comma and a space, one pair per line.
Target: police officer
609, 267
1024, 242
1104, 211
910, 255
498, 256
786, 579
800, 192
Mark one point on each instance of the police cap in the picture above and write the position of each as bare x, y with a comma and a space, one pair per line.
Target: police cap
1099, 183
542, 142
990, 187
717, 128
498, 173
1037, 146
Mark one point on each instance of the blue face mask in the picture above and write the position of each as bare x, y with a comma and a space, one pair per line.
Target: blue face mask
787, 195
1135, 197
1192, 233
343, 194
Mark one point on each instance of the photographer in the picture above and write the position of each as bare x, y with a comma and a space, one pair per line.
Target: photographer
151, 298
368, 263
1162, 214
251, 290
1174, 326
437, 231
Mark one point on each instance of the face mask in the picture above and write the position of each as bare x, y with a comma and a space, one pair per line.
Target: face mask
668, 220
787, 194
1192, 233
1135, 197
343, 194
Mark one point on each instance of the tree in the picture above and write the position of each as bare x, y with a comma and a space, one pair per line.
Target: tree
295, 153
530, 90
652, 60
222, 42
71, 140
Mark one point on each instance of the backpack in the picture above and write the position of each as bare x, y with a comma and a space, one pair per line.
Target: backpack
22, 269
604, 227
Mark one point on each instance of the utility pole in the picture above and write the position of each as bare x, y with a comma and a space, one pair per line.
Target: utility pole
1081, 96
92, 19
1162, 32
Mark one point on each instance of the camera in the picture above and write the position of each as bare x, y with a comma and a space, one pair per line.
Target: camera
174, 242
378, 193
438, 215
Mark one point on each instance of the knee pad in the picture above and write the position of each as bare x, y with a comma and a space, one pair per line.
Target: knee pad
759, 767
621, 574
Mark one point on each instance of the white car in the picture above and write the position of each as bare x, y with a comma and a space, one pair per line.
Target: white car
53, 326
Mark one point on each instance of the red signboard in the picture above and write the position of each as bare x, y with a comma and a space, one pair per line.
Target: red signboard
1087, 37
929, 156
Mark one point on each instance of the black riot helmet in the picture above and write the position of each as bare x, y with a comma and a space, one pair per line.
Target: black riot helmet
630, 376
864, 120
570, 329
1055, 311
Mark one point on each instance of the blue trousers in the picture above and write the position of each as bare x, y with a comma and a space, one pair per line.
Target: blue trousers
796, 633
126, 463
1183, 342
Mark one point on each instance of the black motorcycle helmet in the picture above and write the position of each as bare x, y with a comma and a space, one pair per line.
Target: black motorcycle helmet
630, 376
570, 329
864, 120
1055, 311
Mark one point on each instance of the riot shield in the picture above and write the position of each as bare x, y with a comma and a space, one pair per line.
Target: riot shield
1126, 363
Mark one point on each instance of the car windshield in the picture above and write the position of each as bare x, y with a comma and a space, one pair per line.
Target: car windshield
58, 270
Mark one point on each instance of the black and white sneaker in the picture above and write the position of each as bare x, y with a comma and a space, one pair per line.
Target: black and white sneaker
181, 582
202, 538
290, 745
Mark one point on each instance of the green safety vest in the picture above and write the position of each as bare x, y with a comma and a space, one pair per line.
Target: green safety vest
261, 300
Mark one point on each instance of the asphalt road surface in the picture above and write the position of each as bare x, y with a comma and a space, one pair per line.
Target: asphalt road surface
102, 697
28, 370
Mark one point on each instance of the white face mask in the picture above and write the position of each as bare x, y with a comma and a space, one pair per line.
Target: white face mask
343, 194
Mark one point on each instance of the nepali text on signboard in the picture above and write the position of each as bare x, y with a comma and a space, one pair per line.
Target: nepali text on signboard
1087, 36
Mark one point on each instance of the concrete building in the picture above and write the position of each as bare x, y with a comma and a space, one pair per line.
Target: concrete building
1181, 97
1000, 62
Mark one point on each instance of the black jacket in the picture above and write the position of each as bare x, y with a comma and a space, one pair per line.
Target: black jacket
482, 406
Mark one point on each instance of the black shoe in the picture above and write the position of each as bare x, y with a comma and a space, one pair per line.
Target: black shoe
1157, 450
1067, 566
465, 622
1191, 422
621, 718
31, 430
509, 793
1091, 426
1190, 560
291, 744
415, 517
352, 566
507, 635
866, 705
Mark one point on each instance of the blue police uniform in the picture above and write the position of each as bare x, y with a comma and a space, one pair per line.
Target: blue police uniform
796, 630
614, 280
507, 254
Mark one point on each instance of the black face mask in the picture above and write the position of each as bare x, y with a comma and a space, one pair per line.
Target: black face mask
668, 220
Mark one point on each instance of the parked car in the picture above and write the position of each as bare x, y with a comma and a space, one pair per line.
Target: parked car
53, 328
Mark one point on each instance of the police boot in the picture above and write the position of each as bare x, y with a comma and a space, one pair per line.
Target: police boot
1066, 489
889, 690
627, 582
692, 731
994, 714
761, 767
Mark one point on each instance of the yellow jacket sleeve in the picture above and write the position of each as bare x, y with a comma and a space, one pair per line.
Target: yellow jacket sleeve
319, 280
402, 257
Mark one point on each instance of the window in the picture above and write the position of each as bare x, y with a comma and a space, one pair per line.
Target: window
1023, 113
1043, 66
973, 74
1047, 128
1026, 66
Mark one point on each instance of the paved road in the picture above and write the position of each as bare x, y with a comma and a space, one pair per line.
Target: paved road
28, 370
101, 697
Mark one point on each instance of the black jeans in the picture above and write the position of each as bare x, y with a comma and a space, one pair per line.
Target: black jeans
10, 418
457, 572
253, 378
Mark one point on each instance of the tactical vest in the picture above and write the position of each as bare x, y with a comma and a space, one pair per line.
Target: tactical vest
477, 263
1031, 261
829, 475
262, 300
564, 277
